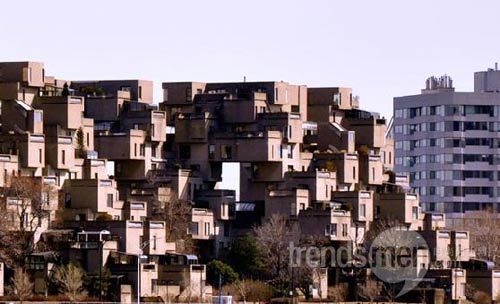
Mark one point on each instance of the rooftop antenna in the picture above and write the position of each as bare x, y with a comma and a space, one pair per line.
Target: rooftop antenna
244, 78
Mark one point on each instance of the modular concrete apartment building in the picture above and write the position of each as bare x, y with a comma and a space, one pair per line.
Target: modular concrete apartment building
114, 161
448, 143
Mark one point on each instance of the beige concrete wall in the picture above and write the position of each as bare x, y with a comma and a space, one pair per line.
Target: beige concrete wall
9, 90
123, 146
103, 109
93, 194
181, 92
8, 165
2, 274
371, 169
206, 226
65, 111
88, 133
315, 222
286, 202
60, 152
29, 72
458, 279
399, 206
357, 199
31, 152
461, 245
321, 184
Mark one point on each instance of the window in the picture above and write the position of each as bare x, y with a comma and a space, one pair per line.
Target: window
290, 151
336, 99
140, 92
362, 210
135, 149
154, 286
154, 242
154, 147
38, 117
276, 94
63, 157
194, 228
45, 198
354, 172
152, 130
109, 201
142, 149
226, 152
88, 139
211, 151
344, 230
40, 156
189, 93
414, 212
207, 228
331, 230
373, 173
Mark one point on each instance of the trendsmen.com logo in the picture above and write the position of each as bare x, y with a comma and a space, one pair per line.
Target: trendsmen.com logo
394, 256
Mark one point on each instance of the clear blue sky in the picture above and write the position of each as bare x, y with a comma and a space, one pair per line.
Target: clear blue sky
379, 48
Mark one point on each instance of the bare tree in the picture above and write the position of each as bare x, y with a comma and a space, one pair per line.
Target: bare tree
249, 290
338, 293
370, 290
175, 212
21, 284
274, 237
69, 278
25, 209
484, 229
243, 288
376, 228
